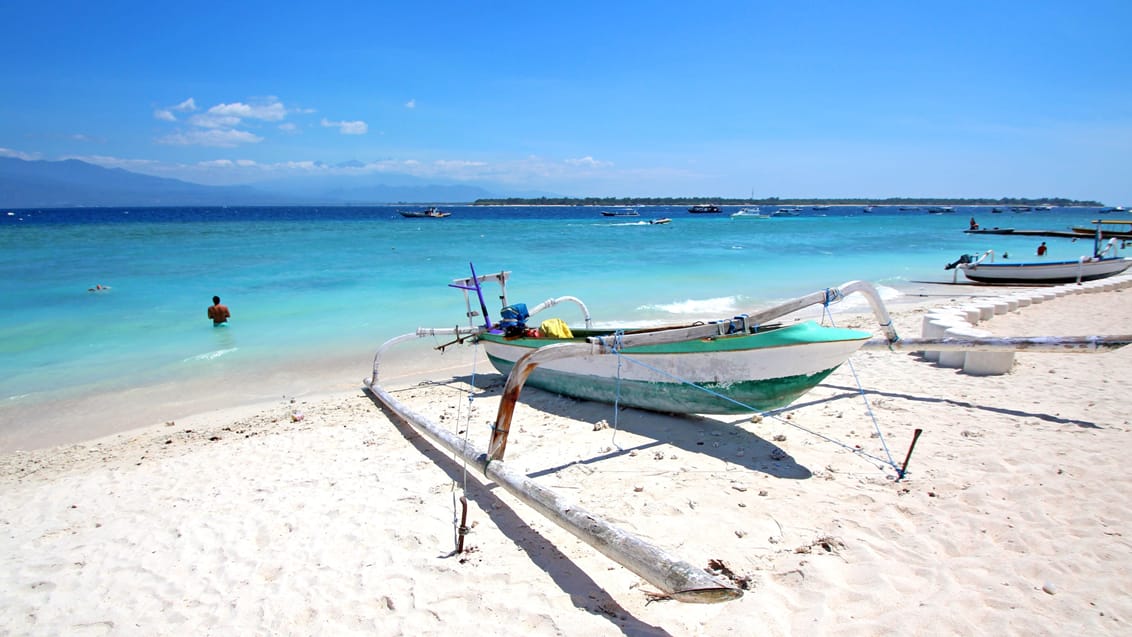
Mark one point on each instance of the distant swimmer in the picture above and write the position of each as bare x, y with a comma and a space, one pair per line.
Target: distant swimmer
98, 288
218, 313
1042, 249
974, 224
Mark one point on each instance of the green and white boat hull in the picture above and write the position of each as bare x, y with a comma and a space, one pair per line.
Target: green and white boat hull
732, 374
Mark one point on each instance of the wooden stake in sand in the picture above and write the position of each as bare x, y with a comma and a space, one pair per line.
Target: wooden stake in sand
908, 456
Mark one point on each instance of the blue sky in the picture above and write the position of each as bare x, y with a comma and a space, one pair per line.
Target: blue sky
788, 99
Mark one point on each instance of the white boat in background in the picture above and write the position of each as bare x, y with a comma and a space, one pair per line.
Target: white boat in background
786, 212
983, 269
749, 213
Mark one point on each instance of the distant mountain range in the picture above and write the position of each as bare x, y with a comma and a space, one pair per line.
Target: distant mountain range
74, 183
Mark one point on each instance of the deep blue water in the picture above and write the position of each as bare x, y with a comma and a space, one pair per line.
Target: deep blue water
310, 281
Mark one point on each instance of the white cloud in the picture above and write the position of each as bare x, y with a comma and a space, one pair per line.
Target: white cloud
8, 152
166, 114
458, 164
139, 165
186, 106
288, 127
234, 114
220, 125
211, 137
588, 162
411, 103
214, 120
347, 128
216, 163
271, 111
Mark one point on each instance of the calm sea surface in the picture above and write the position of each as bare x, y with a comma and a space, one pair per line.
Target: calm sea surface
309, 282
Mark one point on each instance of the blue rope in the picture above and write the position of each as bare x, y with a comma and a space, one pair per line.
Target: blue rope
471, 397
865, 399
616, 347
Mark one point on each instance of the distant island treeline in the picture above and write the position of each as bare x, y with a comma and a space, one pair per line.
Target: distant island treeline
1059, 202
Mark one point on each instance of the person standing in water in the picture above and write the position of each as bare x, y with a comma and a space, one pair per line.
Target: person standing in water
1042, 249
218, 313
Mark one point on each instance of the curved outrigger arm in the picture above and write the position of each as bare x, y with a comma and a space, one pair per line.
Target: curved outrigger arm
518, 377
461, 333
563, 299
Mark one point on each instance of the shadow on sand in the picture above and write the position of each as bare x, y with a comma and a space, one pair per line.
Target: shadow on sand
690, 433
584, 592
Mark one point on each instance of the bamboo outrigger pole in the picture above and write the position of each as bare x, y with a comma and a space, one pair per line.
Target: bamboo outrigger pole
1042, 344
676, 578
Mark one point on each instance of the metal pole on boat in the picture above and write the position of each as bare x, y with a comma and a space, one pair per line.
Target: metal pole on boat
678, 579
479, 293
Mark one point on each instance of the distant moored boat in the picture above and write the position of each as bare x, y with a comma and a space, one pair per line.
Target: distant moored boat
431, 212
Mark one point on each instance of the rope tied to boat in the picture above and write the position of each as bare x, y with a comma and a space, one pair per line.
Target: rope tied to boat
774, 414
618, 343
865, 399
832, 295
460, 503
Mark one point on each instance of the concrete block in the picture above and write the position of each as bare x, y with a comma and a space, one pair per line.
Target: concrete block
986, 311
956, 359
988, 363
935, 325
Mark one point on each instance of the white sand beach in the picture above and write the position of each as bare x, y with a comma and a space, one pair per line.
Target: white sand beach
1013, 518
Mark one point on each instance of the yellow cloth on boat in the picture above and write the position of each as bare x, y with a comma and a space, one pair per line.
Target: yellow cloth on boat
554, 328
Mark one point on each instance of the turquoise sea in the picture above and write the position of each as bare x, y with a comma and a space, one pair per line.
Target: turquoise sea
330, 284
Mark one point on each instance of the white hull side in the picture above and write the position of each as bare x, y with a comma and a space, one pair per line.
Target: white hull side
700, 367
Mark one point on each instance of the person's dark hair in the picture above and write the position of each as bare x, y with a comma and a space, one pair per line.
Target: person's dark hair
215, 300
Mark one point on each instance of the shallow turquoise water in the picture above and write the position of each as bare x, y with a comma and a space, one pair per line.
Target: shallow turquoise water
305, 282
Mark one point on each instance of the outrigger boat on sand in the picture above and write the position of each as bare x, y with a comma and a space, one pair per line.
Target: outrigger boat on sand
741, 364
983, 269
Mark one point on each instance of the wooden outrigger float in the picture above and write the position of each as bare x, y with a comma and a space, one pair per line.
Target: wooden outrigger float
676, 578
